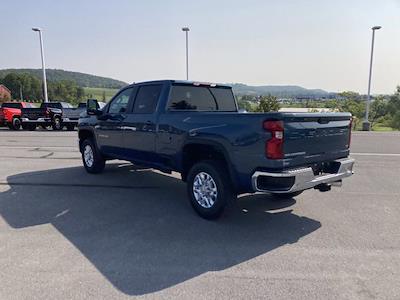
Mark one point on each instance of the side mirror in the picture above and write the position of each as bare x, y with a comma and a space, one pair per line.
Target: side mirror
93, 107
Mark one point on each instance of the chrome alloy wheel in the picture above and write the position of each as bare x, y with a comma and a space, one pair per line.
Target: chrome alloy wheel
57, 123
205, 190
88, 156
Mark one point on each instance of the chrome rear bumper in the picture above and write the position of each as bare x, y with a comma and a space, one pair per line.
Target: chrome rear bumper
303, 178
38, 120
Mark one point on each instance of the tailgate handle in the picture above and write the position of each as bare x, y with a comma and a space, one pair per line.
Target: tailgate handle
323, 120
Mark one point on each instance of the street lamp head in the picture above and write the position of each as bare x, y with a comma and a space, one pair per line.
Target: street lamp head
376, 27
36, 29
185, 29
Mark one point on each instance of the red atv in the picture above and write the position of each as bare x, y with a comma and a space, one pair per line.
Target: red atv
10, 114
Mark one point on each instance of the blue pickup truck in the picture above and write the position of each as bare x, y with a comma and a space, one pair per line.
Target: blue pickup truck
197, 130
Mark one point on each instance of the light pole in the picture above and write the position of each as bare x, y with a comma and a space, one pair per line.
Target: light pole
43, 64
366, 126
186, 30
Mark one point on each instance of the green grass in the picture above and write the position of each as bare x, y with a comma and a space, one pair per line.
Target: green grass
380, 127
97, 93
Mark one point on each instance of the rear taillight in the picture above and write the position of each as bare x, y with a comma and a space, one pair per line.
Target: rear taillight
274, 146
350, 127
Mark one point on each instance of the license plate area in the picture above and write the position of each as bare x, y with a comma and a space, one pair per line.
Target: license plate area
324, 168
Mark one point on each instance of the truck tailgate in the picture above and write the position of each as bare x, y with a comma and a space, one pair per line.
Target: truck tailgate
317, 137
33, 113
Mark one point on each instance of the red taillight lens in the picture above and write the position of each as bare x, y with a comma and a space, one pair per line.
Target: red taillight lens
274, 146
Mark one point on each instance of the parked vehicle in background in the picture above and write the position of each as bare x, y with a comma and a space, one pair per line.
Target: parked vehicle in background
10, 114
70, 115
54, 114
196, 130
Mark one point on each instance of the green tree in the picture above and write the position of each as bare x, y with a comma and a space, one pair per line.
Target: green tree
30, 86
65, 90
379, 109
267, 104
244, 105
349, 102
394, 109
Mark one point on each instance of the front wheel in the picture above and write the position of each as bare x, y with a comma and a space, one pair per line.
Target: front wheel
286, 196
92, 160
209, 189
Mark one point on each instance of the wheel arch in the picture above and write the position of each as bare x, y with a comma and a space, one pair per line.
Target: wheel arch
196, 151
84, 134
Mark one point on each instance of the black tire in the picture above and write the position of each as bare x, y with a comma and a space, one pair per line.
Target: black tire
16, 124
286, 196
98, 164
223, 185
57, 125
70, 127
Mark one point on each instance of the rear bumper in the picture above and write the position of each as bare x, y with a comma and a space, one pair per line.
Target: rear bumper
299, 179
70, 121
38, 120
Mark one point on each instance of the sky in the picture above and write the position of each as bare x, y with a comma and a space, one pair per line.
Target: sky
314, 44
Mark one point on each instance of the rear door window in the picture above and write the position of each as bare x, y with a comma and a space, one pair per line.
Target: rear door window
147, 99
201, 98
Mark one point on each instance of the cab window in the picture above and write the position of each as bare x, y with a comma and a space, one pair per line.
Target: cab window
120, 103
147, 99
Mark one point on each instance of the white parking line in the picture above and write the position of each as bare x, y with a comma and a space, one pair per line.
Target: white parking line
375, 154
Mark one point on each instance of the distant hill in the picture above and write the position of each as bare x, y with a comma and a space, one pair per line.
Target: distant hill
281, 91
81, 79
93, 81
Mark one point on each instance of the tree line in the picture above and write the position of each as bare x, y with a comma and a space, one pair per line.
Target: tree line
29, 88
384, 110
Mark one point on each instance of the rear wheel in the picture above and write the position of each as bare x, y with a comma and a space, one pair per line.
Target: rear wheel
209, 189
286, 196
92, 160
16, 124
57, 124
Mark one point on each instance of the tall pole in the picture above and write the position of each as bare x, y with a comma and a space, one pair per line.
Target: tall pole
366, 124
20, 92
186, 30
43, 64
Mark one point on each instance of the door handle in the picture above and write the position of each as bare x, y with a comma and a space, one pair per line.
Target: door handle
147, 124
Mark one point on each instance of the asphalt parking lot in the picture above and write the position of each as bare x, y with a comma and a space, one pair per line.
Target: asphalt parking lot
131, 232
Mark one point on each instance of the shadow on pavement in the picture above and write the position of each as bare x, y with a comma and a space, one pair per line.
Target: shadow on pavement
138, 229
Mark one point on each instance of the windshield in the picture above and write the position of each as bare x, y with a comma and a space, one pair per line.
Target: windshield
202, 98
